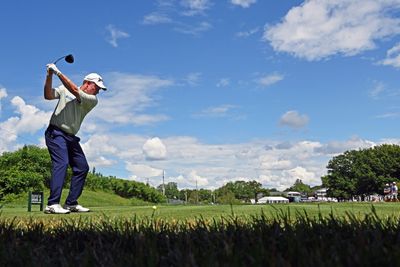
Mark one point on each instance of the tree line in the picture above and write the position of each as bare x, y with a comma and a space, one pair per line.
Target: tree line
29, 169
354, 173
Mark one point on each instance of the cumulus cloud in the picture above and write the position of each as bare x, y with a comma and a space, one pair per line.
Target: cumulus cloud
129, 97
301, 173
273, 163
293, 119
337, 147
154, 149
115, 34
268, 162
141, 171
243, 3
28, 119
392, 57
100, 155
321, 28
196, 179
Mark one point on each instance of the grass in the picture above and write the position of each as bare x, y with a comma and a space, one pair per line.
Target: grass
122, 232
113, 206
257, 240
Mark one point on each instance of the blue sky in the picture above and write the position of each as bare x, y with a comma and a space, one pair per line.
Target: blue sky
209, 91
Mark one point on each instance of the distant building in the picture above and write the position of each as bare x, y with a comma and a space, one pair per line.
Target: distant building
293, 196
321, 193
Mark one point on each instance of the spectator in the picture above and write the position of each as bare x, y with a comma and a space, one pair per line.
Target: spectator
394, 191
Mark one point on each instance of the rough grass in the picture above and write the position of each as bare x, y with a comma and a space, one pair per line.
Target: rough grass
282, 239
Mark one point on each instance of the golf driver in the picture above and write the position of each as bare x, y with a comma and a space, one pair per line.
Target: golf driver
68, 58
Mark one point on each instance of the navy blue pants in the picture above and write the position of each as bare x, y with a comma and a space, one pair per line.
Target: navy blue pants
65, 150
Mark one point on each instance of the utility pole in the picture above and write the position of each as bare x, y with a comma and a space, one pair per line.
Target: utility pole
163, 184
186, 197
197, 195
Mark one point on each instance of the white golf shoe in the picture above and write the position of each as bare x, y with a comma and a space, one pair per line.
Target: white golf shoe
56, 209
76, 208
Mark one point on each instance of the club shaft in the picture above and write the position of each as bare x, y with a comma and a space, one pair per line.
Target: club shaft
58, 59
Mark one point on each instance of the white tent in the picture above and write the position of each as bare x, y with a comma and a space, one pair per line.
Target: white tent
271, 200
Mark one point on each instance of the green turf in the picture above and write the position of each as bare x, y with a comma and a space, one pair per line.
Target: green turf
110, 205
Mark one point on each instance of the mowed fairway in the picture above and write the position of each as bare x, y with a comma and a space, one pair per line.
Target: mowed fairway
189, 212
111, 206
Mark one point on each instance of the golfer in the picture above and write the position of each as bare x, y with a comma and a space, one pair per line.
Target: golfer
61, 140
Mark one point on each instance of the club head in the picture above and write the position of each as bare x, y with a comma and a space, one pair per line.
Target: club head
69, 58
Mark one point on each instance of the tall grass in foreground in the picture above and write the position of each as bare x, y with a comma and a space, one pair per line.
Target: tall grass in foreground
231, 241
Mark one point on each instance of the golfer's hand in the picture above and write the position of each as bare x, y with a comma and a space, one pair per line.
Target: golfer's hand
53, 68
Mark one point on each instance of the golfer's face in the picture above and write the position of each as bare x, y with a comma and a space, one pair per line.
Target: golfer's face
92, 88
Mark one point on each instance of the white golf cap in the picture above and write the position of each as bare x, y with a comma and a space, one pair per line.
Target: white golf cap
94, 77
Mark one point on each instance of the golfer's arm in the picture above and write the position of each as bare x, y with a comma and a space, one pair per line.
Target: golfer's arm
48, 90
69, 85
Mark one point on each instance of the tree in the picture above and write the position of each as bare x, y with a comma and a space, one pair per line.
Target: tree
241, 190
299, 186
171, 190
28, 168
362, 172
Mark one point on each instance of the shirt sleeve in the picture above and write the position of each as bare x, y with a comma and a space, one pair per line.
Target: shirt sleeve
88, 101
58, 91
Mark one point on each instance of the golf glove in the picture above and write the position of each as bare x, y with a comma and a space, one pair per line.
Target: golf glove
53, 68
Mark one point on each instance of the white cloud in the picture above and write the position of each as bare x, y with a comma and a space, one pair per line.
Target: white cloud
378, 89
337, 147
245, 34
301, 173
194, 178
98, 154
156, 18
218, 111
223, 82
3, 94
388, 115
195, 7
321, 28
293, 119
115, 34
141, 171
154, 149
195, 30
269, 162
243, 3
392, 57
193, 78
270, 79
128, 97
273, 163
29, 119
